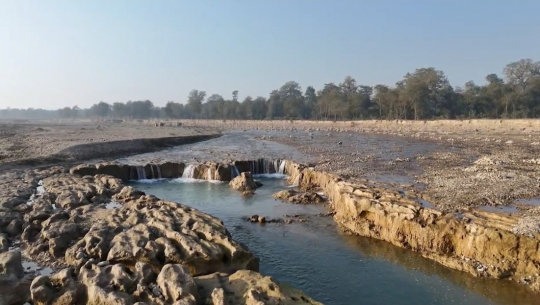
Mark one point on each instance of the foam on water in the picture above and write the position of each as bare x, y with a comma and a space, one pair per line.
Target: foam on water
150, 181
192, 180
275, 175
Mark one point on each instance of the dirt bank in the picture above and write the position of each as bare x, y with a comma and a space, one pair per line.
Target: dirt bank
45, 142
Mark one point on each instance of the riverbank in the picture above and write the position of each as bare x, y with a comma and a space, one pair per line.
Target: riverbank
467, 204
485, 243
38, 143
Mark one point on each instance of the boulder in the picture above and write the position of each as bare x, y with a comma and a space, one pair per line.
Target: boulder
244, 182
14, 228
299, 197
248, 287
14, 286
176, 284
11, 265
61, 288
128, 193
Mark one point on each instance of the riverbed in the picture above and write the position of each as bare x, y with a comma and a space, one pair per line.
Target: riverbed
317, 258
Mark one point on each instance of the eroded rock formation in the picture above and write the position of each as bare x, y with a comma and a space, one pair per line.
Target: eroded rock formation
299, 197
474, 241
244, 183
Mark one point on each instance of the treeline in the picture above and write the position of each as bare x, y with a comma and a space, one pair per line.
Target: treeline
423, 94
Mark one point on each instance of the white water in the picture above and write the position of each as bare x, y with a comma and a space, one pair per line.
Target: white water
235, 172
281, 169
158, 172
274, 175
209, 174
189, 171
150, 181
191, 180
141, 173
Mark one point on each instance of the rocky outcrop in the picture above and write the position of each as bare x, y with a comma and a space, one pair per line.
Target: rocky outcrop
477, 242
120, 171
244, 182
299, 197
14, 285
248, 287
173, 284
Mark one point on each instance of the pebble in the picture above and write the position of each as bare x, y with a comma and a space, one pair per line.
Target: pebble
103, 264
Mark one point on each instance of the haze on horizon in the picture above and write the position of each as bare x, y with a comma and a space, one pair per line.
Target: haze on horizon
63, 53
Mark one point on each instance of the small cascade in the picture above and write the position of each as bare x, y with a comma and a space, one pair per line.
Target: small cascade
276, 165
141, 173
156, 174
152, 169
281, 169
189, 171
158, 170
266, 166
209, 174
234, 171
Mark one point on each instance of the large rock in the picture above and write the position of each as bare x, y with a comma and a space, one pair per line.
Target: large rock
14, 286
159, 233
176, 284
244, 182
59, 289
248, 287
299, 197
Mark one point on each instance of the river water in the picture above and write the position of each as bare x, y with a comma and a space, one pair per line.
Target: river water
331, 267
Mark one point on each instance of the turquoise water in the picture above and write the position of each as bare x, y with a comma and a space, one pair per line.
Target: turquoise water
331, 267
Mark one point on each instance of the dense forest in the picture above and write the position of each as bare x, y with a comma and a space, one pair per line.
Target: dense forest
423, 94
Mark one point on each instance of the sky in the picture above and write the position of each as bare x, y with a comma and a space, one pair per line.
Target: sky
64, 53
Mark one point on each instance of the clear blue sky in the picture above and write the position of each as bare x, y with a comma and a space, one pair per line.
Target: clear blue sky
65, 53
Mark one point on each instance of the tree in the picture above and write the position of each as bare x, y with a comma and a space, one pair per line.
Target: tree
274, 105
195, 100
521, 73
291, 96
310, 102
422, 90
101, 109
214, 106
119, 110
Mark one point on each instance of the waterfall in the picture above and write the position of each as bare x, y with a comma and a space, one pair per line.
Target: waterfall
234, 171
276, 166
189, 171
158, 170
209, 174
282, 167
141, 173
266, 166
157, 173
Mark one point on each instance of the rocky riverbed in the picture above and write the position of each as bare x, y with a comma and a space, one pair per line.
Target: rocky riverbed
139, 249
460, 193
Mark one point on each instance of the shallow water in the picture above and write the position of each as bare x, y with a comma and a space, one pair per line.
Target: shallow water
331, 267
